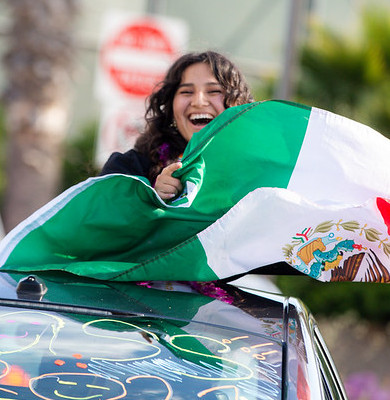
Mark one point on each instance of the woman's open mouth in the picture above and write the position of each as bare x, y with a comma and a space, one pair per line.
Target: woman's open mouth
201, 119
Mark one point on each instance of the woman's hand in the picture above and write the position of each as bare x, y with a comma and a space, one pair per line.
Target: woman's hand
166, 185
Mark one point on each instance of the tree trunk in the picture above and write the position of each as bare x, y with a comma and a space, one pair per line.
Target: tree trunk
38, 64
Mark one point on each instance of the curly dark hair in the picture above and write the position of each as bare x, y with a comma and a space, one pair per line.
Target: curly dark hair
159, 113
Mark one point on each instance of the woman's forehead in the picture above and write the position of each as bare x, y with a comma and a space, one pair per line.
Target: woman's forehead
199, 72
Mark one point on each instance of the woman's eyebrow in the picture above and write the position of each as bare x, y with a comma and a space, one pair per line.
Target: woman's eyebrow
185, 85
192, 84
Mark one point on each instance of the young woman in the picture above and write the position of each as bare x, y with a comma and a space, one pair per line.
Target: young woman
197, 88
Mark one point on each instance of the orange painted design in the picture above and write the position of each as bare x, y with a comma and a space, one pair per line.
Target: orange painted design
16, 377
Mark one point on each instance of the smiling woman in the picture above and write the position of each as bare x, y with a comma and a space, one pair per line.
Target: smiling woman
196, 89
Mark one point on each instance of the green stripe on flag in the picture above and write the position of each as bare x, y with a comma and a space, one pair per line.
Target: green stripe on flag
186, 261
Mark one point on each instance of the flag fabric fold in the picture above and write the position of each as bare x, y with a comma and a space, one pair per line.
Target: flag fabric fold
264, 182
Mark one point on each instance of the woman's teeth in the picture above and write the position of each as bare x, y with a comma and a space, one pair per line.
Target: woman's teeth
201, 119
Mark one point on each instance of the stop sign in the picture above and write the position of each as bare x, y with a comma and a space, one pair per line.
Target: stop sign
135, 54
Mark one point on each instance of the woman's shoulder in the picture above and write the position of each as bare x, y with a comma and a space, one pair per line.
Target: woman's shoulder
131, 162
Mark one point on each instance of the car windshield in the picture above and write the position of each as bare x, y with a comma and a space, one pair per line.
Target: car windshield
145, 343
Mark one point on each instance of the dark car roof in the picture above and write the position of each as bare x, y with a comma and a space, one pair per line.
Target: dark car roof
153, 339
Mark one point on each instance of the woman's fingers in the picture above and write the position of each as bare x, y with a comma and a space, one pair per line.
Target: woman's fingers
171, 168
166, 185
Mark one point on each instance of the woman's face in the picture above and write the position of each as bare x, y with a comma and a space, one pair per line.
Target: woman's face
198, 99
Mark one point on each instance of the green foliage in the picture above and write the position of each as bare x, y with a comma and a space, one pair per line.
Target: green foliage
79, 157
367, 300
350, 77
265, 91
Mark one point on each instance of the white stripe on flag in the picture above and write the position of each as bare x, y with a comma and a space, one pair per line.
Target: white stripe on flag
341, 161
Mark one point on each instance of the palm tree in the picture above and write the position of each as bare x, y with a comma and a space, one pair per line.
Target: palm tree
37, 63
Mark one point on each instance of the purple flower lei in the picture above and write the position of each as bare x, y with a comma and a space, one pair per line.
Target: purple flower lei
163, 153
145, 283
211, 290
206, 288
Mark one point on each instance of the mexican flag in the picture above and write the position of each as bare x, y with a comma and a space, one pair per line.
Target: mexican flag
265, 182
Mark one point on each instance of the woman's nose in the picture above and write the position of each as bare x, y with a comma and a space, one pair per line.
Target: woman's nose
199, 98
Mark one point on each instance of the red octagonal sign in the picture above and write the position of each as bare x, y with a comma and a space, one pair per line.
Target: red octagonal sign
136, 57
